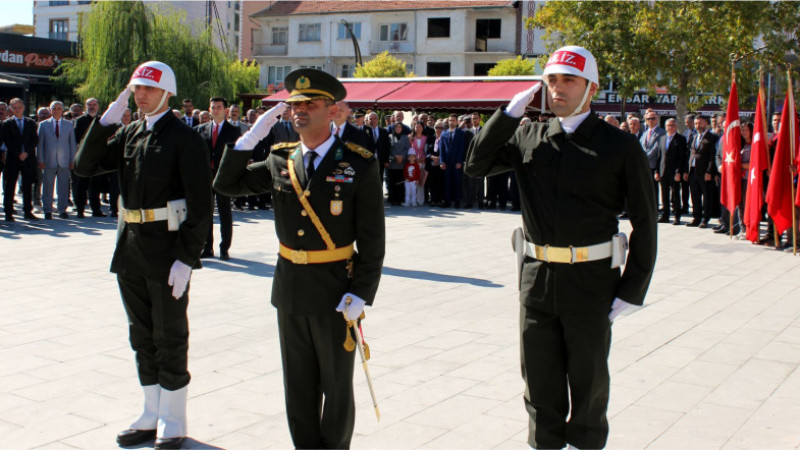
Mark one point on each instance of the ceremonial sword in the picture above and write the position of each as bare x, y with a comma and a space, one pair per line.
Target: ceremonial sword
364, 357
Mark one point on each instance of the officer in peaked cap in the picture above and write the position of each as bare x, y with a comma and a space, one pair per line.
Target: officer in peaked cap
575, 172
327, 197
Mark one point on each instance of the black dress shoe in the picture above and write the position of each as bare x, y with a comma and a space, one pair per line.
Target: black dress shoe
10, 218
223, 255
663, 219
676, 222
703, 225
80, 215
130, 437
694, 223
48, 216
719, 227
207, 254
168, 443
723, 230
98, 214
30, 216
63, 216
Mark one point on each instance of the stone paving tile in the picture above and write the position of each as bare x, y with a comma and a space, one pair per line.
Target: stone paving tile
711, 361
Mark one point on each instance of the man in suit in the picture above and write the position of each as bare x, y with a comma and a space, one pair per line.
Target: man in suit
234, 116
82, 186
380, 141
188, 113
20, 138
327, 199
635, 126
672, 166
398, 116
452, 149
701, 172
56, 154
218, 132
344, 130
649, 140
689, 134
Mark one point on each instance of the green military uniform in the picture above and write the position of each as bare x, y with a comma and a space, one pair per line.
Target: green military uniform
345, 193
572, 188
168, 162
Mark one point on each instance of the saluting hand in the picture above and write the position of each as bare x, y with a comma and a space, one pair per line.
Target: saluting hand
260, 128
116, 109
520, 101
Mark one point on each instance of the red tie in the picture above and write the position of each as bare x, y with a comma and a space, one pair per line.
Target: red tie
57, 136
214, 135
337, 131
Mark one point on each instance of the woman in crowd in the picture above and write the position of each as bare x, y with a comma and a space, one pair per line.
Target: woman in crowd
397, 160
421, 146
747, 142
435, 177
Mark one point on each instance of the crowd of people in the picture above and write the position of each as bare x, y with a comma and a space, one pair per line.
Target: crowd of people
687, 166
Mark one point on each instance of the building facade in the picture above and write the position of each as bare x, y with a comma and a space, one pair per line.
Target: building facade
433, 38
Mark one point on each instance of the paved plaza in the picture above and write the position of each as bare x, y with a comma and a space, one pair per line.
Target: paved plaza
712, 361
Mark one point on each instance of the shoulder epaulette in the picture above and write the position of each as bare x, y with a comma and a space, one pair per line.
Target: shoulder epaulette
355, 148
285, 145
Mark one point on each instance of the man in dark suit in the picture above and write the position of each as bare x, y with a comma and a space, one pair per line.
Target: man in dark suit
20, 138
380, 141
689, 134
188, 113
701, 172
453, 148
217, 133
398, 116
672, 165
344, 130
82, 186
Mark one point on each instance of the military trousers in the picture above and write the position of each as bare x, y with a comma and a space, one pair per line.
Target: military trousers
317, 380
565, 368
158, 330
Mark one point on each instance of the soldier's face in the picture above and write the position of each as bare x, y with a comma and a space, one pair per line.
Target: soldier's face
312, 116
147, 98
566, 93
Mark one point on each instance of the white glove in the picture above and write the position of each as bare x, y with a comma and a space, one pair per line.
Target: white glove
621, 307
179, 276
520, 101
260, 129
353, 310
116, 109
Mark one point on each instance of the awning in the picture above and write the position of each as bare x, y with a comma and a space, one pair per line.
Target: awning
429, 95
359, 95
456, 95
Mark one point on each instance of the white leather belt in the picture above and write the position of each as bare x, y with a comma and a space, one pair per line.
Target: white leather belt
570, 255
145, 215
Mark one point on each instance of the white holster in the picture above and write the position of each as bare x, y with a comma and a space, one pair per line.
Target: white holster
176, 213
518, 244
619, 250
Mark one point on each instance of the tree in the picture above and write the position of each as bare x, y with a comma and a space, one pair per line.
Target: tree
685, 46
513, 66
115, 37
383, 65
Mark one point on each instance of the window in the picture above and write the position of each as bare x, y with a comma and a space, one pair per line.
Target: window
438, 69
84, 2
59, 29
236, 22
347, 71
280, 35
482, 69
58, 3
488, 28
310, 32
311, 67
276, 74
343, 34
394, 32
439, 27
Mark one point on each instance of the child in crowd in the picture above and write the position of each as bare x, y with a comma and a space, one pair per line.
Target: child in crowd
411, 174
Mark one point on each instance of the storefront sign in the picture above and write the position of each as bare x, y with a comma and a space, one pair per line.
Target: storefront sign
29, 60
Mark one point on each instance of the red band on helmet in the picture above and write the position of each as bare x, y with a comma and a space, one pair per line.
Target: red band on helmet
148, 73
567, 58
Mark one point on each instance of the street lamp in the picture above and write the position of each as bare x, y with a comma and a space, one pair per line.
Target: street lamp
356, 48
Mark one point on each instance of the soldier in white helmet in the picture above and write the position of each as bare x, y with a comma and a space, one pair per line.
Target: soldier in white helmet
575, 173
165, 212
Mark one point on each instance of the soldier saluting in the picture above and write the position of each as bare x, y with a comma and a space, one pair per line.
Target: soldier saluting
574, 173
328, 199
165, 189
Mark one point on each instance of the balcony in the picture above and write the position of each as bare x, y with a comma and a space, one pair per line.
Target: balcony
391, 47
60, 35
270, 49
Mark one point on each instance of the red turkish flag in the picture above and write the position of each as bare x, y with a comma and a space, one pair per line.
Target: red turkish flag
779, 193
759, 162
731, 194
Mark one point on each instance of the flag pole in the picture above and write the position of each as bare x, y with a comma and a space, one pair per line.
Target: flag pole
730, 212
792, 160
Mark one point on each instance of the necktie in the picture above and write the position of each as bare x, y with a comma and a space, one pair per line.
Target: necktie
20, 124
375, 134
214, 135
287, 126
310, 169
337, 131
57, 136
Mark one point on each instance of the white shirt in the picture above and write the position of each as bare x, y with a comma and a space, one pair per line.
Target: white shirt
570, 124
341, 128
322, 150
151, 120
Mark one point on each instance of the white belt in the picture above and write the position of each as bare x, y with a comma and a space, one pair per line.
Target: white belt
145, 215
570, 255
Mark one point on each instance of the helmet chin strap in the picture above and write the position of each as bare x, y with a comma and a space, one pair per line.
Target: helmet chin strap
164, 98
585, 96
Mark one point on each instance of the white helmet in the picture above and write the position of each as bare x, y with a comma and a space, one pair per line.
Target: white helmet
573, 60
155, 74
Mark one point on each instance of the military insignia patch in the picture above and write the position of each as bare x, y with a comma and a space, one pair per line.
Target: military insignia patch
344, 164
349, 171
355, 148
336, 207
302, 83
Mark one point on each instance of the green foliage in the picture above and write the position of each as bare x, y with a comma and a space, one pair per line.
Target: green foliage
685, 46
383, 65
513, 66
116, 37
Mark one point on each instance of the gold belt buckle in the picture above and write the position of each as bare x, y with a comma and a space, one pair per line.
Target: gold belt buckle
133, 215
299, 257
148, 215
558, 254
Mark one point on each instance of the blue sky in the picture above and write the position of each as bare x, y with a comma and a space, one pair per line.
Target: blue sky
16, 11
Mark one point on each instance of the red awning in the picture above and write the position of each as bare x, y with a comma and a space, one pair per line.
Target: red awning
456, 95
359, 95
